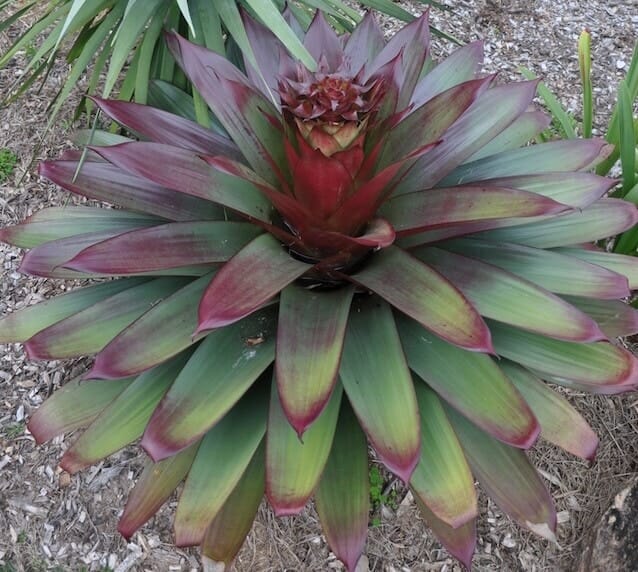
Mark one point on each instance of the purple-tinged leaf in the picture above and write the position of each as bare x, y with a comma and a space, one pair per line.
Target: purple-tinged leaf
552, 157
364, 44
198, 398
521, 131
309, 343
578, 190
551, 270
294, 466
76, 404
267, 50
164, 331
605, 218
223, 456
428, 123
25, 322
485, 119
228, 530
505, 297
343, 494
163, 127
423, 294
424, 210
462, 65
508, 477
322, 42
243, 111
252, 277
184, 171
54, 223
460, 542
442, 480
560, 423
88, 331
123, 421
596, 364
471, 383
615, 317
626, 266
172, 245
154, 487
372, 356
105, 182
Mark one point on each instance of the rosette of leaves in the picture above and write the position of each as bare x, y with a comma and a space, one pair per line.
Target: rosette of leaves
372, 258
122, 38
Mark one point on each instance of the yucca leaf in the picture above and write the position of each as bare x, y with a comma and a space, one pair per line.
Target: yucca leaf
442, 479
309, 343
372, 358
560, 423
423, 294
222, 369
74, 405
471, 383
222, 458
153, 488
343, 498
294, 465
125, 418
164, 331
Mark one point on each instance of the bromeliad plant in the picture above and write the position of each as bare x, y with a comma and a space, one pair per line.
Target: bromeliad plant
372, 257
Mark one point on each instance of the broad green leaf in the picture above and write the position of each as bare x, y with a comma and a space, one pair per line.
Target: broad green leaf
294, 465
124, 419
154, 487
309, 343
88, 331
222, 458
442, 479
228, 530
76, 404
379, 386
343, 496
25, 322
618, 263
222, 369
615, 317
560, 423
508, 477
471, 383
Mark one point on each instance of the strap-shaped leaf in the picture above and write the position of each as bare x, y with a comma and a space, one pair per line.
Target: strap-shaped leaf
223, 456
222, 369
74, 405
619, 263
309, 343
343, 495
165, 330
125, 418
508, 478
597, 364
556, 271
442, 479
25, 322
154, 487
606, 217
364, 44
294, 466
560, 423
507, 298
88, 331
423, 294
471, 383
228, 530
460, 542
615, 317
253, 276
106, 182
165, 246
379, 386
